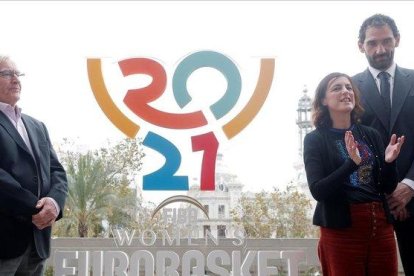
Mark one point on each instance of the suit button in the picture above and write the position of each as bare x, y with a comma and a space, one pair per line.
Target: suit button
34, 178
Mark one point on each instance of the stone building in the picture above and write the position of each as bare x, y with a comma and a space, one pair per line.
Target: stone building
218, 203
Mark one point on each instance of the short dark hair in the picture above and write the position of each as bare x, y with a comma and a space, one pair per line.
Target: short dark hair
377, 20
320, 113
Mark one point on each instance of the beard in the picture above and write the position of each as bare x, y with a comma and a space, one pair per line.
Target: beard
381, 62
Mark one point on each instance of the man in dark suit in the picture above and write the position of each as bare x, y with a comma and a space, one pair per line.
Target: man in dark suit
33, 185
387, 93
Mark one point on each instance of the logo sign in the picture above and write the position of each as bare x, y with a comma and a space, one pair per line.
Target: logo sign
139, 102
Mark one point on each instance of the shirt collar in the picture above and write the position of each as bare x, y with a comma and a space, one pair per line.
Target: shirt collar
390, 70
14, 112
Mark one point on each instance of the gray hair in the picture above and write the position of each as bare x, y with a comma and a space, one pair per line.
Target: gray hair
4, 58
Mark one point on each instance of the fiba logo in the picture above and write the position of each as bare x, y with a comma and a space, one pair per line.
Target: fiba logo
139, 100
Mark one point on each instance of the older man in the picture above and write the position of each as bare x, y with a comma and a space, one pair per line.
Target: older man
33, 185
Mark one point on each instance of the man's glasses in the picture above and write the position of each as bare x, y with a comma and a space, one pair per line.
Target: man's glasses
9, 74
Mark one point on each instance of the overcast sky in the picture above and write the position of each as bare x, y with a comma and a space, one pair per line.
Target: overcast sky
51, 41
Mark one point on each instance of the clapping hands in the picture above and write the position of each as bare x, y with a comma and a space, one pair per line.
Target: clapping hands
352, 147
393, 149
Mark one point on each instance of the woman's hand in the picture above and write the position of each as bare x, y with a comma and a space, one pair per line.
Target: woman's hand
352, 147
393, 149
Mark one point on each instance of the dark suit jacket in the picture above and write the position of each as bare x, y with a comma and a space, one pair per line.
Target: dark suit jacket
24, 179
402, 116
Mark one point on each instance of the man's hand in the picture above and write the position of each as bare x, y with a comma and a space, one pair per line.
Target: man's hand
401, 215
400, 197
47, 215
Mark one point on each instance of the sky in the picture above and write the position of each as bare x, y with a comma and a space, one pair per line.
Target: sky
51, 42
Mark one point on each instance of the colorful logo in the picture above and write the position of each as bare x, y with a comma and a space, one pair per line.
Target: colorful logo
139, 102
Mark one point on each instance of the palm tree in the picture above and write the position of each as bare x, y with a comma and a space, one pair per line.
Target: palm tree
99, 188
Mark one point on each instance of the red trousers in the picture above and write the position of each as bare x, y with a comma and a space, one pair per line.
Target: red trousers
367, 248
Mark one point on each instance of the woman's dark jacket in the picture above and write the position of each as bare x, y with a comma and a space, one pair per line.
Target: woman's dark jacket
327, 175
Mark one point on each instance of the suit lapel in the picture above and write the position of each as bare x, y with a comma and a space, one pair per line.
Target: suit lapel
400, 91
372, 98
7, 125
33, 137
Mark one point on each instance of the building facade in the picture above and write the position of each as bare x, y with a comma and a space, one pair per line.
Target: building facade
218, 203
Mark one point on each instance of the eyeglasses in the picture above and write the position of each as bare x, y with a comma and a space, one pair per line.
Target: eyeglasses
9, 74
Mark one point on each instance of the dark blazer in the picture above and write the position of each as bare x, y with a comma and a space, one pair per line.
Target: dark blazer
402, 116
24, 179
327, 174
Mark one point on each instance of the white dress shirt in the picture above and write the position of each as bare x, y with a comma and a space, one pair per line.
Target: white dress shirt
391, 71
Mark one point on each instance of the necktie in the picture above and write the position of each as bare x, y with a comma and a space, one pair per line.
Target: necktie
385, 89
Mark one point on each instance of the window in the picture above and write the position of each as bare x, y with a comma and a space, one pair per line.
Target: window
221, 231
221, 209
205, 229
